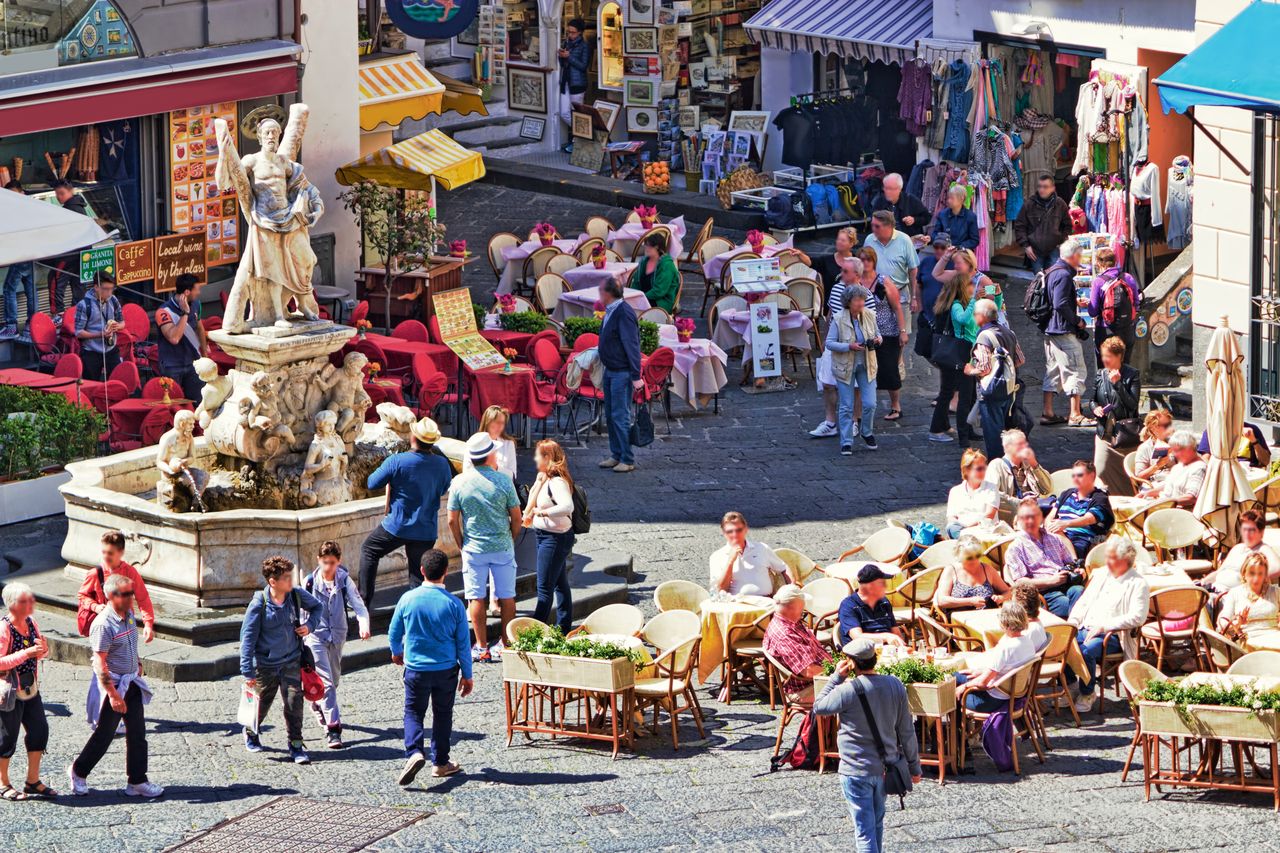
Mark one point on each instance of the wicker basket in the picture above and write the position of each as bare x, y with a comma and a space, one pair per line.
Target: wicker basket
657, 190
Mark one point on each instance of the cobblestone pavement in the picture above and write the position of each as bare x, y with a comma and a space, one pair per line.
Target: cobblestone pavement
713, 793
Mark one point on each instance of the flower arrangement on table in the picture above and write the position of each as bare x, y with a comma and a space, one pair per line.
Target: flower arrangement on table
506, 303
546, 233
373, 368
755, 239
648, 214
458, 249
167, 385
599, 257
684, 329
363, 327
509, 354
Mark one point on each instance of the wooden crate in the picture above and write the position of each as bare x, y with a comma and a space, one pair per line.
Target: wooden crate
928, 700
609, 676
1209, 721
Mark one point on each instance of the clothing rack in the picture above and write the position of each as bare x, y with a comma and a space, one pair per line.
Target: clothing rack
809, 97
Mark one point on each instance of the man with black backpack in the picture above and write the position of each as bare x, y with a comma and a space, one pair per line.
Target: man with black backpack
995, 362
879, 754
1064, 365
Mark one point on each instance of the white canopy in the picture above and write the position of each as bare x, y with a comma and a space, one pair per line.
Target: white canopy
31, 229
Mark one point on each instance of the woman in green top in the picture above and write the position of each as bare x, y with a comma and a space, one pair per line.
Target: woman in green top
965, 265
955, 303
657, 276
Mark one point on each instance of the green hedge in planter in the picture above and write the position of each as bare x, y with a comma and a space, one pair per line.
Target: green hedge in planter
523, 321
480, 311
551, 641
54, 433
907, 670
575, 326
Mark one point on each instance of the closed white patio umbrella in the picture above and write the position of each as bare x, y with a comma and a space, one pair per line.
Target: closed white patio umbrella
1226, 491
31, 230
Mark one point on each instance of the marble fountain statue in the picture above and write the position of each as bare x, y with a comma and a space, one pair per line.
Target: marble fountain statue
285, 449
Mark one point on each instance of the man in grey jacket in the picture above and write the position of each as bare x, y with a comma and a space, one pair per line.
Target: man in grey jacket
861, 767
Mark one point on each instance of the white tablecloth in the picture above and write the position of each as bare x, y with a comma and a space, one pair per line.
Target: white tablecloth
587, 276
581, 303
715, 265
513, 258
731, 328
699, 366
630, 232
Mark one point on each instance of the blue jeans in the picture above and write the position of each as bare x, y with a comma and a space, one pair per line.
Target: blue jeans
555, 551
19, 274
1042, 263
1059, 603
617, 407
865, 798
435, 689
1092, 652
994, 411
844, 391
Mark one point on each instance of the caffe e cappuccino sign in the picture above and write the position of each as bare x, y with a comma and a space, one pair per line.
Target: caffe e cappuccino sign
179, 254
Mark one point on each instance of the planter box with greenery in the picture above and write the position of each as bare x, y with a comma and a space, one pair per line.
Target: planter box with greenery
580, 663
1202, 710
575, 326
931, 691
39, 434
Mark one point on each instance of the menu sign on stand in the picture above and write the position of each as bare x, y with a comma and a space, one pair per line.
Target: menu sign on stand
756, 275
765, 343
196, 203
458, 330
94, 261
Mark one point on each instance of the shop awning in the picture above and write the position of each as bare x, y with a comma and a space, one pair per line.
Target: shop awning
413, 163
124, 88
1229, 68
461, 98
395, 88
859, 29
36, 229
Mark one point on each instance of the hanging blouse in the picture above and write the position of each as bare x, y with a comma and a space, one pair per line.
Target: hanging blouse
1145, 186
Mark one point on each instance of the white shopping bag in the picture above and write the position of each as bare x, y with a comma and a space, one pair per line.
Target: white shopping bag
248, 715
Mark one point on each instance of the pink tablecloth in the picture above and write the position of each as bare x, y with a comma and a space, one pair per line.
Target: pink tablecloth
630, 232
514, 258
581, 303
699, 368
715, 265
731, 329
587, 276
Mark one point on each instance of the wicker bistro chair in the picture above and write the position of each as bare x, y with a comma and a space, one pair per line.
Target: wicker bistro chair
679, 595
1268, 497
887, 545
1220, 651
938, 555
624, 619
823, 608
938, 635
547, 292
1053, 675
536, 264
585, 248
654, 314
1175, 620
801, 566
1109, 667
916, 594
1135, 675
1136, 527
1131, 470
1265, 662
598, 226
1061, 480
1018, 685
671, 628
498, 242
794, 702
521, 304
638, 248
522, 623
562, 263
673, 682
632, 217
744, 659
704, 234
1175, 532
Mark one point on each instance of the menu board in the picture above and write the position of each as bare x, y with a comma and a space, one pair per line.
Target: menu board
756, 275
765, 343
177, 254
135, 261
94, 261
195, 202
457, 321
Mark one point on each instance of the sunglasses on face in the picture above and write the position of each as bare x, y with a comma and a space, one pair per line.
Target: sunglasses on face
122, 594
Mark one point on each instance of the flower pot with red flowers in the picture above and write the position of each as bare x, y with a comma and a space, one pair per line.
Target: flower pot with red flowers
755, 239
546, 233
648, 215
458, 249
599, 258
684, 329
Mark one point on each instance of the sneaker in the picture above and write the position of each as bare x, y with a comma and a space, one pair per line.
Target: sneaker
334, 737
252, 743
870, 442
623, 468
826, 429
496, 652
480, 654
319, 714
846, 450
24, 337
411, 768
8, 333
79, 786
941, 437
1084, 704
446, 769
567, 149
298, 754
150, 790
609, 463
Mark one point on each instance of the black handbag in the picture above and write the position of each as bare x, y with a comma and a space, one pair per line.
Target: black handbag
897, 776
641, 426
949, 351
1126, 433
924, 337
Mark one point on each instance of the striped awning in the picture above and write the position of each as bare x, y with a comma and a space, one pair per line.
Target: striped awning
860, 29
413, 163
396, 88
462, 98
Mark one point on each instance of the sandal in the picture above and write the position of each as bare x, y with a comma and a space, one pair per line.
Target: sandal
38, 789
1082, 421
1051, 420
12, 794
893, 415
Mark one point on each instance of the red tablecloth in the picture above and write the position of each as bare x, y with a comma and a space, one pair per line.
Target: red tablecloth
382, 391
400, 353
502, 339
127, 415
515, 391
67, 387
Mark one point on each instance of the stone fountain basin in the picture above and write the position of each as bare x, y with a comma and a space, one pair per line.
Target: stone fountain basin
207, 559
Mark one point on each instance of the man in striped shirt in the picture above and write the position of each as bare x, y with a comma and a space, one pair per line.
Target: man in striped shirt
790, 642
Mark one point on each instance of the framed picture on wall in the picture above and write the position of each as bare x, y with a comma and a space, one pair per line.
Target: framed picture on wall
608, 111
640, 66
642, 119
532, 128
749, 121
688, 117
640, 40
641, 12
526, 89
640, 93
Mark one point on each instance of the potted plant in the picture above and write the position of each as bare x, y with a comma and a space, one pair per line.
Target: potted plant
648, 215
755, 239
506, 303
546, 233
458, 249
39, 434
365, 44
599, 257
545, 656
931, 690
684, 329
529, 322
1210, 708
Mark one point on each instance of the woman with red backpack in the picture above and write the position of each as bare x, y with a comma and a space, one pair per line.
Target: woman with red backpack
1113, 300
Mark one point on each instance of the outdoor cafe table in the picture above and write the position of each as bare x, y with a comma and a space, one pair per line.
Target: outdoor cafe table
126, 416
626, 236
717, 618
514, 257
382, 391
715, 264
400, 353
581, 303
504, 339
516, 391
66, 386
731, 331
699, 367
848, 572
985, 625
587, 277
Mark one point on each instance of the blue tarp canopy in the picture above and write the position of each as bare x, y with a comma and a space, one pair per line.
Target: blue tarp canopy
1233, 68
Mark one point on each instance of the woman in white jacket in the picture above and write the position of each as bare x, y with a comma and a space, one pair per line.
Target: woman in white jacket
550, 513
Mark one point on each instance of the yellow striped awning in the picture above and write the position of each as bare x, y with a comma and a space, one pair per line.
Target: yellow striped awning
396, 88
411, 164
463, 98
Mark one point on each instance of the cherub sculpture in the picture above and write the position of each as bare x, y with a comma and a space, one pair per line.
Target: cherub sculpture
345, 394
324, 473
216, 390
265, 432
174, 456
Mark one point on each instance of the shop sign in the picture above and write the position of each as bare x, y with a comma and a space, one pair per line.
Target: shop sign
195, 201
135, 261
94, 261
765, 340
178, 254
432, 19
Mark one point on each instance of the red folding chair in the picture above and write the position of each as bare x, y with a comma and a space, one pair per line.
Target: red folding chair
155, 425
138, 324
430, 384
103, 395
544, 335
361, 312
585, 341
69, 366
411, 330
44, 340
126, 372
154, 389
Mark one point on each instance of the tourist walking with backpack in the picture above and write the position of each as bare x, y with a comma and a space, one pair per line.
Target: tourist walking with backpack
954, 335
549, 511
332, 586
1113, 300
271, 641
92, 600
1064, 365
996, 358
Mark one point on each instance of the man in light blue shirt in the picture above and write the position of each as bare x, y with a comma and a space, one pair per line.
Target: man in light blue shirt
428, 638
896, 258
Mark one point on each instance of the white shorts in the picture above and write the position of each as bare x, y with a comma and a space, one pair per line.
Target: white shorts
476, 569
1064, 366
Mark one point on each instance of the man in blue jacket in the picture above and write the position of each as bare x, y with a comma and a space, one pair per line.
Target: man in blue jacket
416, 480
956, 221
1064, 365
575, 58
271, 650
429, 639
619, 350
